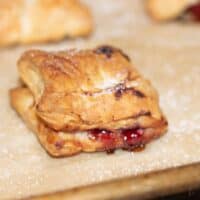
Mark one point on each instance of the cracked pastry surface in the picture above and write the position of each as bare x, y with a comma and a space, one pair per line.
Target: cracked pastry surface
24, 21
163, 10
87, 100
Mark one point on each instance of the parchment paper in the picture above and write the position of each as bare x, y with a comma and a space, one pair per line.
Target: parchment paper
167, 54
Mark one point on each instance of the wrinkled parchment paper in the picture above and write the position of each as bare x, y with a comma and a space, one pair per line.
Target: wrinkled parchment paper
167, 54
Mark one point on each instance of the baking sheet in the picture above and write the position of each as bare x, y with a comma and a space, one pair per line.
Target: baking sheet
167, 54
141, 187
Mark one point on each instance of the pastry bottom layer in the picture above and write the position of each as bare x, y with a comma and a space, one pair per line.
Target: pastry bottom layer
66, 144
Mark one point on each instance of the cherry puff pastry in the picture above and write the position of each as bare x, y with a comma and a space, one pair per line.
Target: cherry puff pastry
170, 9
86, 100
28, 21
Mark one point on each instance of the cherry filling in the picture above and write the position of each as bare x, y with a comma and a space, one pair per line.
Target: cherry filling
128, 138
132, 136
106, 137
194, 12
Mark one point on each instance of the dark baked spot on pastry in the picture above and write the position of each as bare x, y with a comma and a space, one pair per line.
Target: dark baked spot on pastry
110, 151
120, 89
143, 113
109, 50
59, 144
135, 148
138, 93
88, 93
106, 50
124, 55
165, 122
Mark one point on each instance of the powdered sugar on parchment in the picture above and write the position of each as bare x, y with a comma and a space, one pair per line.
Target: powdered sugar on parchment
168, 55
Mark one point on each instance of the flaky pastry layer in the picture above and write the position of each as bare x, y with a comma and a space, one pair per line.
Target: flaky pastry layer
81, 90
24, 21
88, 100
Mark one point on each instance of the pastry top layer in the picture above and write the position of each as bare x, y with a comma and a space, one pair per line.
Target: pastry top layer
82, 90
79, 71
24, 21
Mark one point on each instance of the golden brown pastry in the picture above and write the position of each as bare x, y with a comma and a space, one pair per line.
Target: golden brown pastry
89, 100
170, 9
25, 21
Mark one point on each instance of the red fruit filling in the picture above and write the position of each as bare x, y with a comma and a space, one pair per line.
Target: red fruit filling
194, 12
132, 136
128, 138
106, 137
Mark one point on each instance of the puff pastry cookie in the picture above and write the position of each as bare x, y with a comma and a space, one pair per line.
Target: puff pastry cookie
28, 21
86, 100
170, 9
